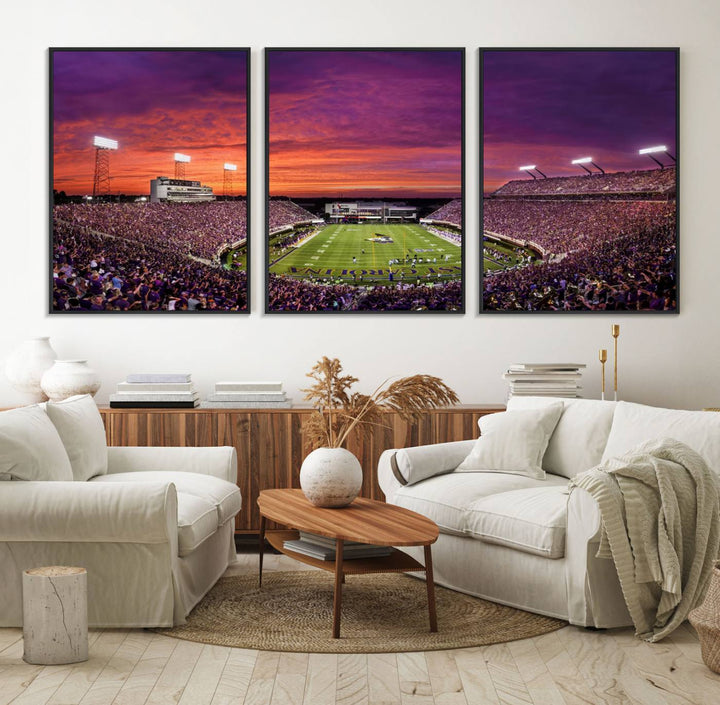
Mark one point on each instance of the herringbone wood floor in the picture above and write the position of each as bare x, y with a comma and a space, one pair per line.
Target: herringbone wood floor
570, 666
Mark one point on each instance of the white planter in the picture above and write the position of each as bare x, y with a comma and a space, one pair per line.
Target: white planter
331, 477
26, 366
66, 378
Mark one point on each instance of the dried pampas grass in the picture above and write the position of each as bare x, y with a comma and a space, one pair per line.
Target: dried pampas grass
338, 410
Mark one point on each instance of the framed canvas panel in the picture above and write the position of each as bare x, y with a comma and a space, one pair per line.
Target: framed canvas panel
580, 154
364, 164
149, 206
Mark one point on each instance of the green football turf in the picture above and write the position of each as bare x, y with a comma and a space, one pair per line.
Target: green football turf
329, 255
490, 263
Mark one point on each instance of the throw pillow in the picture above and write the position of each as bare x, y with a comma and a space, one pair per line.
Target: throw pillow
513, 442
81, 429
411, 465
30, 447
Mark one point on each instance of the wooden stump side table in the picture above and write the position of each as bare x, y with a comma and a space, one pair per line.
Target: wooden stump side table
55, 623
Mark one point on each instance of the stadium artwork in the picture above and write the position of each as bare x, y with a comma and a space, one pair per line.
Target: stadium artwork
579, 180
149, 157
364, 165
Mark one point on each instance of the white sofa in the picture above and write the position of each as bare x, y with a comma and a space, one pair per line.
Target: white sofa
154, 527
529, 542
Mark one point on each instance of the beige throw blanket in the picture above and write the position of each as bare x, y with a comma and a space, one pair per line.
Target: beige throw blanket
659, 509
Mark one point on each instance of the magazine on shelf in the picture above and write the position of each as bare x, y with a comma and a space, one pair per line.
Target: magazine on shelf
326, 553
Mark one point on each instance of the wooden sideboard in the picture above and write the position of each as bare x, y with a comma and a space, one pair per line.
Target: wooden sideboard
270, 443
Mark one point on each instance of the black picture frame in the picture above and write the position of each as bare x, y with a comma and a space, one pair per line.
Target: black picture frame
211, 82
284, 307
621, 291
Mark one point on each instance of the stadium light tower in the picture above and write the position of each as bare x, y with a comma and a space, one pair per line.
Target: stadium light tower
180, 161
529, 167
587, 160
101, 180
652, 150
228, 170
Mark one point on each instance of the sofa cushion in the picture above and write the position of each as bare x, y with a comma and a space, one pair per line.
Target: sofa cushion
421, 462
81, 429
446, 499
223, 495
513, 441
635, 423
197, 521
580, 437
532, 520
30, 447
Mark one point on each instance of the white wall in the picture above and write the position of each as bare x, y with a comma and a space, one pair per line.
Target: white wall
669, 360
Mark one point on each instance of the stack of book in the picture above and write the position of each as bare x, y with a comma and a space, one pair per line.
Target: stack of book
156, 391
247, 395
544, 379
323, 548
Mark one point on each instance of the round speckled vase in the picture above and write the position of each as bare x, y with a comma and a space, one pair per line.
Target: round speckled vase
331, 477
66, 378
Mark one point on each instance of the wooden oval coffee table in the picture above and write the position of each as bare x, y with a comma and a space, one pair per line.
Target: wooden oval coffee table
366, 521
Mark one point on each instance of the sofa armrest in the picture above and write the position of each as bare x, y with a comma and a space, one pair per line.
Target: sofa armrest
406, 466
88, 512
583, 519
219, 462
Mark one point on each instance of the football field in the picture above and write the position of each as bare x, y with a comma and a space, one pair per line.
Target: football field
382, 254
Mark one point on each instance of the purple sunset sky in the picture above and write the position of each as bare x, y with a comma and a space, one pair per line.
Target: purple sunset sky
549, 107
365, 123
154, 103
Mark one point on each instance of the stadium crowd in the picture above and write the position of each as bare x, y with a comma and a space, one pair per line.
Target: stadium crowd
93, 272
287, 294
563, 226
635, 271
451, 212
619, 182
284, 214
200, 229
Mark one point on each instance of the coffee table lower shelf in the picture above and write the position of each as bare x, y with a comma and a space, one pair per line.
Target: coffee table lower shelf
396, 562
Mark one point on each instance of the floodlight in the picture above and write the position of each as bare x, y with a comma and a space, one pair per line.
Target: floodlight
526, 168
230, 167
104, 143
648, 150
587, 160
181, 157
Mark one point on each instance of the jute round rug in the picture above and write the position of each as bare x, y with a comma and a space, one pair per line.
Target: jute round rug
380, 613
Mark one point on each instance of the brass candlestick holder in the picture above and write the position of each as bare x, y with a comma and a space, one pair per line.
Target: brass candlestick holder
615, 330
603, 360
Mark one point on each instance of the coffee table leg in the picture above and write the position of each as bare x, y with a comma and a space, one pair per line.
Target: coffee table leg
261, 548
337, 598
430, 588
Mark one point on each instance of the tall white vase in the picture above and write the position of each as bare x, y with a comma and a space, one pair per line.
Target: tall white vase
331, 477
26, 366
66, 378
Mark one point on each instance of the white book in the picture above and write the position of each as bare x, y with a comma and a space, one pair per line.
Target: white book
559, 366
159, 387
246, 404
248, 387
248, 396
547, 376
158, 377
151, 396
325, 540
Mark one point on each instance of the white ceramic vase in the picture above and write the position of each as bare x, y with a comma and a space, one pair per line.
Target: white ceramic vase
331, 477
66, 378
26, 366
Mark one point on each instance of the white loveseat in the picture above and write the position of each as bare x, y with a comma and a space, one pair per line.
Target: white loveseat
529, 542
154, 527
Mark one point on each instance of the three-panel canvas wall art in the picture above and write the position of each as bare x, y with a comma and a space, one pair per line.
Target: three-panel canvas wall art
365, 207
